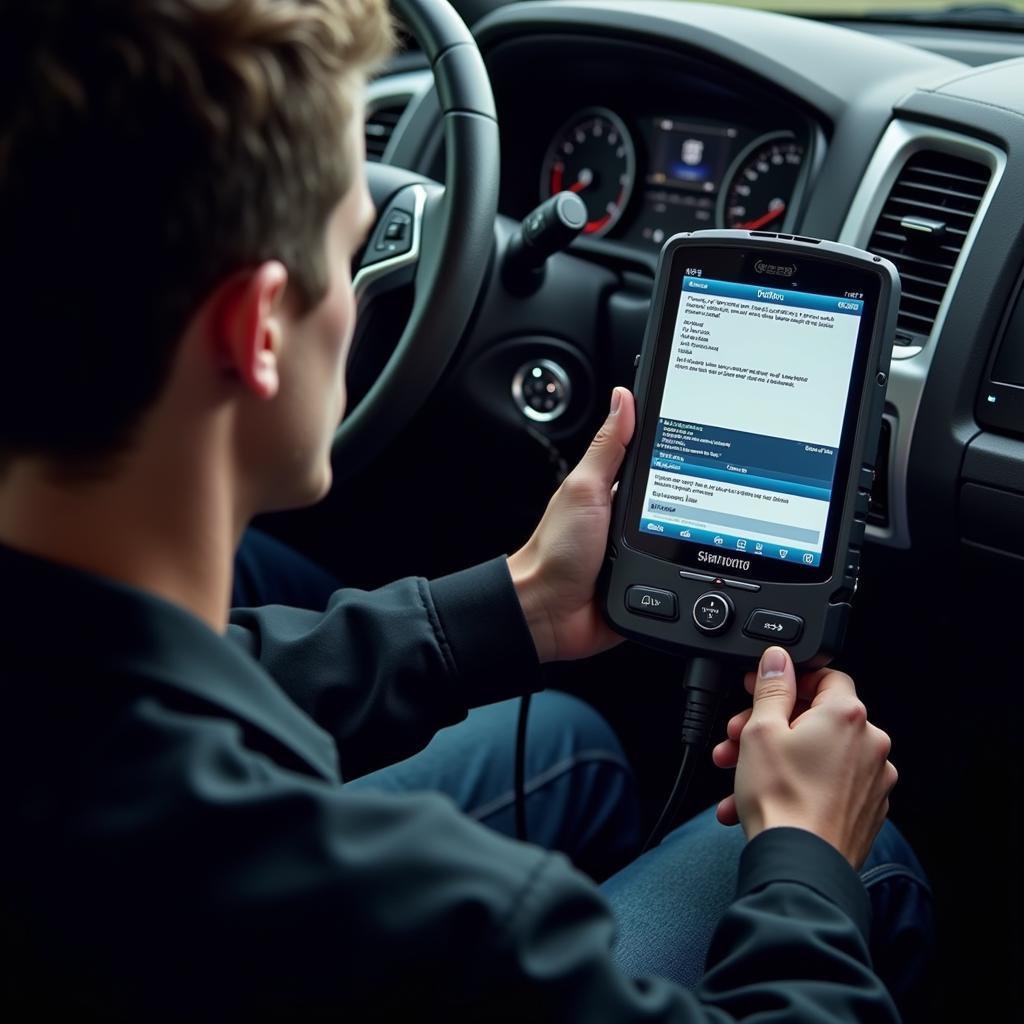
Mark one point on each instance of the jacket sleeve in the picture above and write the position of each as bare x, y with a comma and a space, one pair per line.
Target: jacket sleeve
302, 899
383, 670
791, 949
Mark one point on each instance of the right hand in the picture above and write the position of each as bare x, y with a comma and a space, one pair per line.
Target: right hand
807, 757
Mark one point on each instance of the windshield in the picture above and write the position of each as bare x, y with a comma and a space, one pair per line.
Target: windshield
991, 15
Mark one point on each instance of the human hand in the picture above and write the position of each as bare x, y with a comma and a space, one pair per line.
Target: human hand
806, 756
555, 572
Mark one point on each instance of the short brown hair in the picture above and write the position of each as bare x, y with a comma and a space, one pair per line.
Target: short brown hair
148, 149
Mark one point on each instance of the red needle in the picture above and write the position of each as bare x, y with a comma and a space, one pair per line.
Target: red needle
766, 218
578, 186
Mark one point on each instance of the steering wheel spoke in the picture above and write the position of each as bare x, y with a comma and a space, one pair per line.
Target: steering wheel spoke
392, 253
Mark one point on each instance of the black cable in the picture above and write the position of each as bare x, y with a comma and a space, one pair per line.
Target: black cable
674, 802
561, 469
703, 685
519, 769
555, 457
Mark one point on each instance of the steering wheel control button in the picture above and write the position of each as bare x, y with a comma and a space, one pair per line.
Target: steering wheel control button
659, 604
395, 235
777, 627
395, 240
541, 390
712, 612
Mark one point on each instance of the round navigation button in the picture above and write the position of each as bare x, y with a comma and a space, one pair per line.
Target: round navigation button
712, 612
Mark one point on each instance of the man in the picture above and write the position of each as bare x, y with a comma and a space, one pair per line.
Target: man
181, 195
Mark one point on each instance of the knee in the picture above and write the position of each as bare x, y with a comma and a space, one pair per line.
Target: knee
892, 854
579, 728
901, 897
717, 846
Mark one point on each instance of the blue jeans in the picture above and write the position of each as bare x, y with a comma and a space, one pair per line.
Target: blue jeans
581, 799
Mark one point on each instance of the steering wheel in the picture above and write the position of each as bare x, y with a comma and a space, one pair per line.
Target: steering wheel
438, 238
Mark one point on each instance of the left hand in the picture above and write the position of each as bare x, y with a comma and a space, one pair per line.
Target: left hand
555, 572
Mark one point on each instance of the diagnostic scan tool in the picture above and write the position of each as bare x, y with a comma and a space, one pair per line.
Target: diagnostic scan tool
741, 511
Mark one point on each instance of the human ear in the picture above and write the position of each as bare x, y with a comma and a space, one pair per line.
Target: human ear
250, 332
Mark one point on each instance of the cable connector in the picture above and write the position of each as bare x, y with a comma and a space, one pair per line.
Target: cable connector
703, 686
702, 693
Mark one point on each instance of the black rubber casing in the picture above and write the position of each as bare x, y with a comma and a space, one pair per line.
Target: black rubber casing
823, 606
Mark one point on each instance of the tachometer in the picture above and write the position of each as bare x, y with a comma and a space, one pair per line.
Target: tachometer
760, 185
593, 156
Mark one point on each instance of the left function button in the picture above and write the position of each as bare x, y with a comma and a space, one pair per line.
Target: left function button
660, 604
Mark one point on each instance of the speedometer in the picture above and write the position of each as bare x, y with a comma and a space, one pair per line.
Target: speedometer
593, 156
760, 186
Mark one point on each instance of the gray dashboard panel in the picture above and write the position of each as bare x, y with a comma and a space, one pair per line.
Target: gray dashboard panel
826, 67
987, 103
910, 370
973, 47
994, 85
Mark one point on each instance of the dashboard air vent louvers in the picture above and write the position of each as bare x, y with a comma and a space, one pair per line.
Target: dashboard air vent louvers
380, 125
922, 229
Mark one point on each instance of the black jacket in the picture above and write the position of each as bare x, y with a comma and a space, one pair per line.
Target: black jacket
178, 840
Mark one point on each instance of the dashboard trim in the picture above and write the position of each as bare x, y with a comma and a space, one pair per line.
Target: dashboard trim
909, 368
834, 63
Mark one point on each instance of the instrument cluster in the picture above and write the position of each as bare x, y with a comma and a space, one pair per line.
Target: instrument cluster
649, 176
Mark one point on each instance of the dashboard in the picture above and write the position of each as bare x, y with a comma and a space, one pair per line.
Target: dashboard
669, 116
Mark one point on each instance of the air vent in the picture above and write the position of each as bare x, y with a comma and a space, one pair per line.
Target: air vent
922, 228
380, 125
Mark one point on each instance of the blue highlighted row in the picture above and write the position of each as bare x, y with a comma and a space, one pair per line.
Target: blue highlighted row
746, 471
804, 462
760, 483
775, 296
730, 543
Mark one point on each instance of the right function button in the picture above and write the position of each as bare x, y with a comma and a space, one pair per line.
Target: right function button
764, 624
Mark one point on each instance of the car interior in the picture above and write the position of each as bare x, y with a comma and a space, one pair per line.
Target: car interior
476, 379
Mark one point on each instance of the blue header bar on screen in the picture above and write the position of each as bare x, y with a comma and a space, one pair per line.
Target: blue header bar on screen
773, 296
